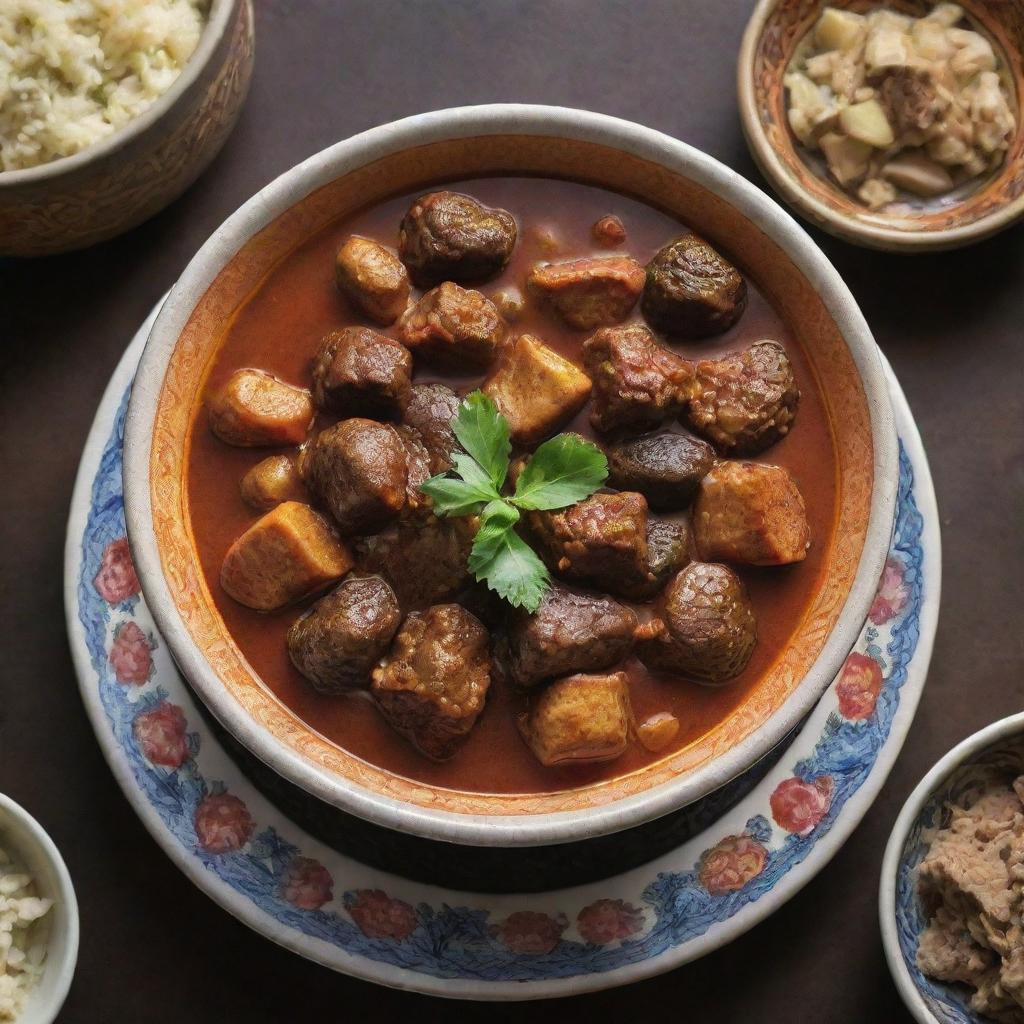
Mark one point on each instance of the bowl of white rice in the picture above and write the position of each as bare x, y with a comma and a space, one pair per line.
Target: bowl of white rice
109, 109
38, 920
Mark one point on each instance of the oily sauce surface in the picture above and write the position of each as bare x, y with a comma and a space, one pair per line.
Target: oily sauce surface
279, 330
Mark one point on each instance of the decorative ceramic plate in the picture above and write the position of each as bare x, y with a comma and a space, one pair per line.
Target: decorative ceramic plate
250, 858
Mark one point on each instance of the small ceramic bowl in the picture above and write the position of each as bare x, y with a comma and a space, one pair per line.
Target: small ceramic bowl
775, 30
995, 753
24, 839
134, 173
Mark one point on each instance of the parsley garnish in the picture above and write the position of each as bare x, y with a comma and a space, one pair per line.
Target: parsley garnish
561, 472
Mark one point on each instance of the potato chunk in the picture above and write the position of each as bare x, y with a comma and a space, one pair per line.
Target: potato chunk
537, 390
658, 731
270, 482
580, 719
750, 513
373, 278
289, 553
254, 408
592, 292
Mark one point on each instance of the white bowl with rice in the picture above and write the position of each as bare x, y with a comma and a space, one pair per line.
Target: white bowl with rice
109, 109
38, 920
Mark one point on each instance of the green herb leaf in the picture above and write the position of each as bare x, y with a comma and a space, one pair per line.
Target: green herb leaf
453, 497
564, 470
484, 433
505, 562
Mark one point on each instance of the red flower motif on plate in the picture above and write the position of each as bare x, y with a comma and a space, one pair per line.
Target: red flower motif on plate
530, 932
607, 920
307, 884
728, 866
160, 735
892, 595
223, 823
381, 917
131, 655
116, 580
797, 806
859, 686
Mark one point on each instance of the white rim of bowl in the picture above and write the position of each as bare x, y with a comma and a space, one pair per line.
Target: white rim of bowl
963, 752
462, 122
820, 213
64, 968
209, 40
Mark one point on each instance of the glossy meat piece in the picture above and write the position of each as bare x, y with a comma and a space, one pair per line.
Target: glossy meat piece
432, 686
601, 541
417, 461
692, 291
580, 719
270, 482
591, 292
454, 327
358, 470
710, 629
429, 409
669, 547
666, 468
746, 401
337, 643
360, 372
253, 408
289, 553
447, 236
373, 279
569, 632
751, 513
536, 390
637, 382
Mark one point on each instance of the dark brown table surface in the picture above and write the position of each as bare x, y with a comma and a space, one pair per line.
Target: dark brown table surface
154, 948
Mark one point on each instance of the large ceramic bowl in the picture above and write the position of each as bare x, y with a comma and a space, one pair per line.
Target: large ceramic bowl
459, 144
132, 174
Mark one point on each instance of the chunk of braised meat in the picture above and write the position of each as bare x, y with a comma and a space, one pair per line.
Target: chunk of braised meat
536, 390
600, 541
429, 409
423, 558
337, 643
751, 513
591, 292
271, 481
373, 279
581, 719
253, 408
692, 291
453, 327
669, 548
666, 468
432, 686
637, 382
609, 231
710, 630
358, 470
289, 553
447, 236
360, 372
569, 632
418, 472
746, 401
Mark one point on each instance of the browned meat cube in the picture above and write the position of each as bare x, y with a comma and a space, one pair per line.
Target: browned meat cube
453, 327
358, 469
609, 231
431, 688
373, 278
601, 541
339, 641
423, 557
569, 632
429, 410
669, 544
580, 719
253, 408
637, 382
745, 402
750, 513
447, 236
417, 461
536, 390
272, 481
591, 292
692, 291
289, 553
666, 468
359, 372
710, 629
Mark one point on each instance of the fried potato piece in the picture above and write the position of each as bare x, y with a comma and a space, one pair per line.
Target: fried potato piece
253, 408
373, 278
272, 481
